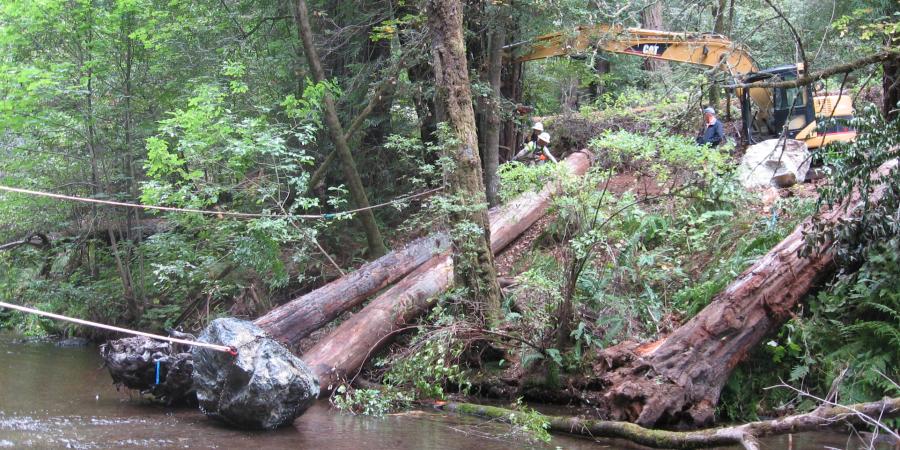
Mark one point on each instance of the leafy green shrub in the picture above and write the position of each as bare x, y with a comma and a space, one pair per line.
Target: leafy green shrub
429, 368
370, 402
662, 155
855, 325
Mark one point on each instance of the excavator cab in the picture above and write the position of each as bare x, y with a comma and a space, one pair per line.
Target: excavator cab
792, 110
791, 107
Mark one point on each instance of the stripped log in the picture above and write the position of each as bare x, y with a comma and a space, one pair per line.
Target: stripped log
346, 349
296, 319
679, 382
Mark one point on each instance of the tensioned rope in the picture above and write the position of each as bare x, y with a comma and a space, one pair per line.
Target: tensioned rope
221, 348
325, 216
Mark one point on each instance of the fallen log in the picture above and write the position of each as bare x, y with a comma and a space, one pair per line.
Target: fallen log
131, 365
28, 240
291, 322
679, 382
745, 435
296, 319
346, 349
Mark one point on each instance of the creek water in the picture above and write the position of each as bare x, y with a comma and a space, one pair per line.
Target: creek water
53, 397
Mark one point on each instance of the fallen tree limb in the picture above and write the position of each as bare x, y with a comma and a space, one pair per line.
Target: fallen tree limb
340, 354
745, 435
28, 240
822, 74
679, 382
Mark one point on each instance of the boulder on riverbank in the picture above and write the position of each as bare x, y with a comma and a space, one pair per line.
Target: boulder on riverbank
263, 387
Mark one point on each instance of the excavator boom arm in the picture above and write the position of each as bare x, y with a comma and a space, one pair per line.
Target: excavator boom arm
705, 49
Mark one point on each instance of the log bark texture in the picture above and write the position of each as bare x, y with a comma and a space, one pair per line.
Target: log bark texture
339, 355
293, 321
678, 383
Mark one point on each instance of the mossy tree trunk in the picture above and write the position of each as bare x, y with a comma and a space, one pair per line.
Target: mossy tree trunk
473, 261
745, 435
336, 133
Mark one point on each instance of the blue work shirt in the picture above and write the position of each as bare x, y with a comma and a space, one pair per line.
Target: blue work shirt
713, 134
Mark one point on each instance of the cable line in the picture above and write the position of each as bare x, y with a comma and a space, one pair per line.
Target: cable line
221, 348
325, 216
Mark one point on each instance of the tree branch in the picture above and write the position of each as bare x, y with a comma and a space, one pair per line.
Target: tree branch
27, 240
816, 76
793, 31
374, 101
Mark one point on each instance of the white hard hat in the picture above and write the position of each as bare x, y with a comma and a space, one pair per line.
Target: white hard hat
538, 126
544, 137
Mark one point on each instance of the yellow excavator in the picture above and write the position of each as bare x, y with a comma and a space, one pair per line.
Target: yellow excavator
765, 112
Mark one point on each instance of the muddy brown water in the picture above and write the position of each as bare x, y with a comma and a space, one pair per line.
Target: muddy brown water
54, 397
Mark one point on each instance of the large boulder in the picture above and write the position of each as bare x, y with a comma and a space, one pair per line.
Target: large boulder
774, 162
263, 387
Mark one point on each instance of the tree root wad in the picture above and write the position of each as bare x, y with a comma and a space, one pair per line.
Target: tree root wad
745, 435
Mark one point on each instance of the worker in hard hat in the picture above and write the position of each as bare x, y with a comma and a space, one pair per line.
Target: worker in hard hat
712, 132
536, 131
537, 151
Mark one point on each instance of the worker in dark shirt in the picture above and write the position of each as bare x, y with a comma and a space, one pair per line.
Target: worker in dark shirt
713, 133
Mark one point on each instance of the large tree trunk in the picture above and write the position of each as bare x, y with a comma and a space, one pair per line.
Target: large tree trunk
651, 19
679, 382
293, 321
473, 261
336, 132
492, 130
340, 355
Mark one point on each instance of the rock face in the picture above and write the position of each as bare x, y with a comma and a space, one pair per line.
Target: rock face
263, 387
774, 162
